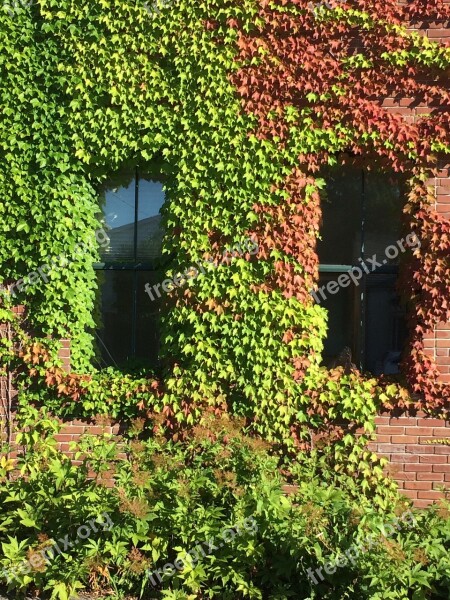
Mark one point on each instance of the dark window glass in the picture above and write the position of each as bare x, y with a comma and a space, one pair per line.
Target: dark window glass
382, 207
147, 319
361, 217
385, 330
343, 320
341, 219
116, 315
129, 330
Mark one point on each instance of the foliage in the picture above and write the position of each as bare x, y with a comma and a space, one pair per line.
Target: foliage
239, 104
169, 497
330, 102
238, 126
441, 442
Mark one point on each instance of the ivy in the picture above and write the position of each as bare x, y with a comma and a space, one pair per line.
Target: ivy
240, 104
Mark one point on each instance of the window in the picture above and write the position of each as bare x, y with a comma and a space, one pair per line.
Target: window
361, 219
128, 331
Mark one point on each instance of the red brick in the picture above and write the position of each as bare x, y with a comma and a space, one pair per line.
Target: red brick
439, 485
430, 476
438, 34
409, 476
430, 495
383, 439
74, 429
433, 459
422, 503
419, 449
64, 447
444, 335
420, 468
430, 423
410, 494
62, 437
382, 420
391, 448
407, 458
442, 343
423, 110
420, 431
391, 430
404, 439
442, 449
402, 421
417, 485
441, 468
395, 468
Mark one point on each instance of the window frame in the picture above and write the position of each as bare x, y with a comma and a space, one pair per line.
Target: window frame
136, 265
360, 296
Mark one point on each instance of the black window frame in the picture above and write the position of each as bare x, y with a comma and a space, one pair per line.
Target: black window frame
136, 266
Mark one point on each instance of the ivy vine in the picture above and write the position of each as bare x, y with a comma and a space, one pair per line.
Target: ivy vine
241, 103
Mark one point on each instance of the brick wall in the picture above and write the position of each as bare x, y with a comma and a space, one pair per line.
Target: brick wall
419, 468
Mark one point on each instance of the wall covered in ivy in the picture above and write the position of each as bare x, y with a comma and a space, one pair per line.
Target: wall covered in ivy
240, 104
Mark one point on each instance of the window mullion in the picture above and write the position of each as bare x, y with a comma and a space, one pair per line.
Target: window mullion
363, 297
135, 247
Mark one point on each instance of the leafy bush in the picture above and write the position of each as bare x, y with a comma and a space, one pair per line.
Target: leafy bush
220, 490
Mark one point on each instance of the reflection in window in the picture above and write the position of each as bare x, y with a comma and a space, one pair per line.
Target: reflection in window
361, 216
133, 222
129, 322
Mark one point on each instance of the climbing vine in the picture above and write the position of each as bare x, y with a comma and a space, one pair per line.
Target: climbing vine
353, 56
240, 104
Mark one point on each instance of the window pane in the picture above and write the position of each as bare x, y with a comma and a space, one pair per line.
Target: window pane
382, 213
341, 218
385, 325
147, 319
344, 321
150, 233
116, 288
119, 214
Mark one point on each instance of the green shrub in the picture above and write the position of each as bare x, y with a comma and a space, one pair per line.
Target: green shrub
218, 489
